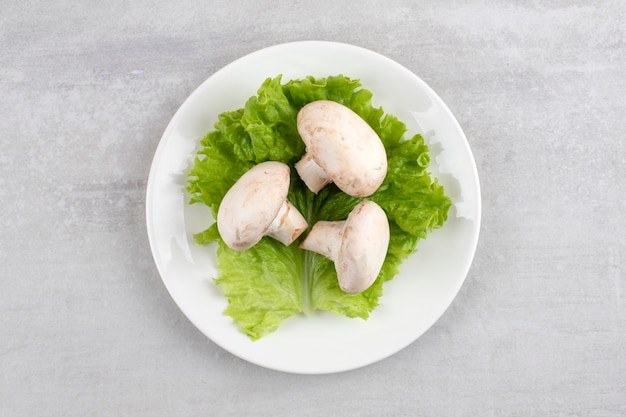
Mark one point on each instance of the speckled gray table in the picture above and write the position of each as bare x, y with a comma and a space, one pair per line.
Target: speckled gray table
86, 325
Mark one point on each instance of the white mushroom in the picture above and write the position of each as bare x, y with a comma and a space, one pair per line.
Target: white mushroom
341, 148
256, 206
357, 245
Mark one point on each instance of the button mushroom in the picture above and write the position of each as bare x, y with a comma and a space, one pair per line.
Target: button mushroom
341, 148
357, 245
256, 206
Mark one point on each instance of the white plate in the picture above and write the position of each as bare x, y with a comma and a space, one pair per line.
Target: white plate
324, 343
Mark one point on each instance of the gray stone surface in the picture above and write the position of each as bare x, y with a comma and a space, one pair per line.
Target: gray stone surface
86, 326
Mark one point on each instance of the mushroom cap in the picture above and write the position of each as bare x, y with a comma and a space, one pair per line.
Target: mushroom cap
250, 205
363, 248
344, 145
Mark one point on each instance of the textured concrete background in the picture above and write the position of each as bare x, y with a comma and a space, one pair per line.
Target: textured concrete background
86, 326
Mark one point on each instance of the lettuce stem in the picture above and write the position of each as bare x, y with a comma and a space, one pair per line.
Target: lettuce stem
307, 276
307, 270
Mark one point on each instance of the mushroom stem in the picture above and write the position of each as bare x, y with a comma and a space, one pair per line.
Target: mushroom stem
325, 238
312, 174
288, 224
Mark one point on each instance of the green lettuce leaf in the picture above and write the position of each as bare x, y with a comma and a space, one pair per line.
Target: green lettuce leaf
270, 282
